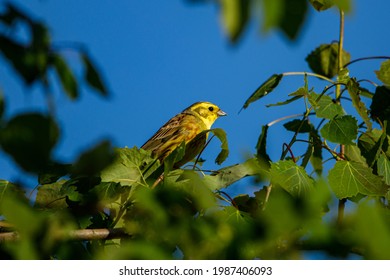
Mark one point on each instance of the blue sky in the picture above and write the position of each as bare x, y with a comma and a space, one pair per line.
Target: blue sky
158, 57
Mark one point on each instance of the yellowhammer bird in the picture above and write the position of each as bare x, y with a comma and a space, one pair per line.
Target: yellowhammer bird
184, 127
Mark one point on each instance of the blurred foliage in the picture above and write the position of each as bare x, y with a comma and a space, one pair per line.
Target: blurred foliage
153, 211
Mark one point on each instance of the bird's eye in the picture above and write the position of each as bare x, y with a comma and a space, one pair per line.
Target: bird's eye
211, 109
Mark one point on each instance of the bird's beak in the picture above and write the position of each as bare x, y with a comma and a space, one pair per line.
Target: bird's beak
221, 113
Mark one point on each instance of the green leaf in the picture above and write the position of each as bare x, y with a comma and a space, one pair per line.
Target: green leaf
354, 92
372, 143
300, 126
53, 172
235, 15
316, 158
261, 146
383, 73
324, 106
2, 104
51, 196
92, 76
129, 167
67, 78
223, 154
91, 162
380, 106
288, 101
324, 60
264, 89
384, 168
341, 130
29, 138
348, 178
321, 5
226, 176
24, 61
353, 153
291, 177
371, 222
286, 15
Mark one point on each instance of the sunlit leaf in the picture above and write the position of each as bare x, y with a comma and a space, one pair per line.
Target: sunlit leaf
384, 168
324, 60
223, 154
354, 92
226, 176
291, 177
325, 107
288, 101
353, 153
130, 166
383, 73
341, 130
348, 178
264, 89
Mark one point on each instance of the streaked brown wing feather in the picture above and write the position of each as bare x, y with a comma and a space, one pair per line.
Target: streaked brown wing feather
166, 132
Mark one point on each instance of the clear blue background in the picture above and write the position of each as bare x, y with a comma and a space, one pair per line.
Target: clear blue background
158, 57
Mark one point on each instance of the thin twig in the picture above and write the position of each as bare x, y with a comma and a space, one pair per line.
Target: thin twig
365, 58
308, 74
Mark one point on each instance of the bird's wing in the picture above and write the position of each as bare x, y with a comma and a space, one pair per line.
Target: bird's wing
165, 133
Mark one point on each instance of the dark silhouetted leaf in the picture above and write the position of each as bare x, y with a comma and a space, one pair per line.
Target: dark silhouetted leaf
286, 15
29, 139
299, 126
261, 146
372, 143
264, 89
323, 60
93, 161
68, 80
380, 106
341, 130
321, 5
53, 172
235, 15
92, 76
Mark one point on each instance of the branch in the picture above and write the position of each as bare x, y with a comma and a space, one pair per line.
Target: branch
78, 234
